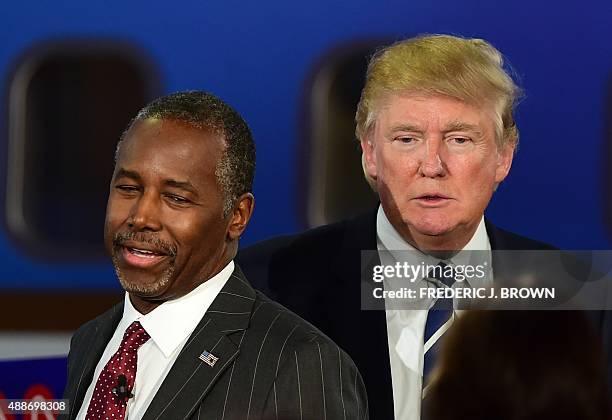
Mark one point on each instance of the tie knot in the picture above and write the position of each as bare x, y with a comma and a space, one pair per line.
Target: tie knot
134, 337
444, 273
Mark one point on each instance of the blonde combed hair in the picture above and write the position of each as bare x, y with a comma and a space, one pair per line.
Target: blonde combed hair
471, 70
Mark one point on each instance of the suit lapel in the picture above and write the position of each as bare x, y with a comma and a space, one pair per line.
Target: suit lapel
91, 346
498, 243
191, 378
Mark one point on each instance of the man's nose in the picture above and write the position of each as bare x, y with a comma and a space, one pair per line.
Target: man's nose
145, 215
432, 164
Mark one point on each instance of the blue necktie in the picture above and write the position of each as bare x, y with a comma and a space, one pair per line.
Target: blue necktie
437, 316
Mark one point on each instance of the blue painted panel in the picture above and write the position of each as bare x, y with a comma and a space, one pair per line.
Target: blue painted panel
258, 55
18, 378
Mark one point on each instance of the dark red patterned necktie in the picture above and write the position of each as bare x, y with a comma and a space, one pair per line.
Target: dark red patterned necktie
108, 400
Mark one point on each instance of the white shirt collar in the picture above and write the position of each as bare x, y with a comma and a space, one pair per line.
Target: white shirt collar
476, 252
173, 321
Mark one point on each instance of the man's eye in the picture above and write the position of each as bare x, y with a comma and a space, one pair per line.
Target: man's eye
405, 139
460, 140
177, 199
126, 188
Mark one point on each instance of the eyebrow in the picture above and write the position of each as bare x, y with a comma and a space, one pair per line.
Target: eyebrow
405, 127
124, 173
462, 126
183, 185
451, 126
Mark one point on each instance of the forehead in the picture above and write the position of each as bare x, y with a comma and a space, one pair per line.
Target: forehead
169, 145
426, 111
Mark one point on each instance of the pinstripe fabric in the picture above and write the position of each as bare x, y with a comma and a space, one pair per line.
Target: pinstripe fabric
272, 365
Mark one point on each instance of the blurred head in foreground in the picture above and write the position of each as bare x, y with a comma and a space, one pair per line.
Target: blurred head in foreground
519, 365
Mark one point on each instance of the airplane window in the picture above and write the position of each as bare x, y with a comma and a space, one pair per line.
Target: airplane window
67, 106
336, 188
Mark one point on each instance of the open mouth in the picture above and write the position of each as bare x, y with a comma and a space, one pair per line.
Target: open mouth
140, 257
144, 253
140, 251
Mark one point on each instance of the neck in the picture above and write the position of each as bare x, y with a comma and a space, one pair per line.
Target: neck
443, 245
144, 306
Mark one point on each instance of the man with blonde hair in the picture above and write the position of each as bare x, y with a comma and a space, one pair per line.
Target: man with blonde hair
437, 133
436, 127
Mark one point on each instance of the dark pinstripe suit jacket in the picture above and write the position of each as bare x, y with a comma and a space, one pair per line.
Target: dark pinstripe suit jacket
272, 365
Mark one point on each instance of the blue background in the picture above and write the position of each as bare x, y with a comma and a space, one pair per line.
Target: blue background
19, 375
259, 55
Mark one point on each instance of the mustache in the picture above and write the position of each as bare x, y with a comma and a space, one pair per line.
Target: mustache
121, 237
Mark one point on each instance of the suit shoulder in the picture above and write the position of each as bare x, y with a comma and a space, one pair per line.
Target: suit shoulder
285, 326
302, 373
502, 239
321, 242
274, 257
325, 236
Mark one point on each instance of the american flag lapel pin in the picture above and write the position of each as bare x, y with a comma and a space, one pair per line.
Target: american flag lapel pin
208, 358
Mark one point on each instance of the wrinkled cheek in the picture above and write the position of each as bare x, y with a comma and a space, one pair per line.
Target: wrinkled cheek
481, 196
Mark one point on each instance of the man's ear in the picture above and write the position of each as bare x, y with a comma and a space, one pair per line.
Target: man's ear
368, 158
504, 162
241, 214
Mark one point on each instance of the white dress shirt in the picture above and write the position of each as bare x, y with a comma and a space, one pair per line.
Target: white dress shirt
169, 325
406, 328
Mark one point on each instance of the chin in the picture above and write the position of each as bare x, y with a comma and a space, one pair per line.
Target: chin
433, 231
432, 227
142, 282
144, 285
